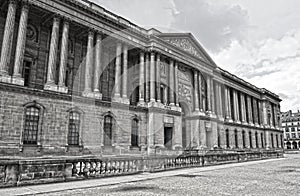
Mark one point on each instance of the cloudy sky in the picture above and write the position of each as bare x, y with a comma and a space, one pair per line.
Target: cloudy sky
258, 40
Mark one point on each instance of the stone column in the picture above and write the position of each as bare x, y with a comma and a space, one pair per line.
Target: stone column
255, 112
147, 73
250, 116
152, 77
200, 93
158, 78
171, 82
142, 79
196, 98
265, 114
88, 66
227, 104
236, 107
63, 58
208, 94
20, 48
50, 84
272, 115
243, 107
212, 95
125, 70
260, 111
176, 85
220, 102
7, 41
98, 66
118, 71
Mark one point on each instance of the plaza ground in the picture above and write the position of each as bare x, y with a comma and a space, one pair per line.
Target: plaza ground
266, 177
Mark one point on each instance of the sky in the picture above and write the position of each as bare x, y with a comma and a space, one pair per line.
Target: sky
257, 40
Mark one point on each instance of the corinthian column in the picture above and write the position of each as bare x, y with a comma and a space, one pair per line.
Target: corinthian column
220, 102
142, 79
236, 107
176, 85
200, 93
50, 84
125, 66
63, 57
250, 115
212, 95
196, 98
118, 70
147, 74
20, 49
88, 66
171, 82
158, 78
208, 94
7, 40
152, 77
98, 68
243, 108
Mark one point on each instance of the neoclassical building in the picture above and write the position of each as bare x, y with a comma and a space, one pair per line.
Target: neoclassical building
290, 123
76, 79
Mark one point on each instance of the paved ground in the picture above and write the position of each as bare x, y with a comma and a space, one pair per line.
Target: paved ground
267, 177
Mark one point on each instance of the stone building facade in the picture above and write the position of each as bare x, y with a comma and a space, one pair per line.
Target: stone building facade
77, 79
290, 123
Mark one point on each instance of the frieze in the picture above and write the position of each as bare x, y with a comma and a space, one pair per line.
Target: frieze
184, 92
185, 45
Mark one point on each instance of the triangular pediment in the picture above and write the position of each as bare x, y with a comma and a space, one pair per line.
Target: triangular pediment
187, 43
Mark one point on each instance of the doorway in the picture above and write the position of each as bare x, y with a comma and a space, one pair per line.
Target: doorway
168, 136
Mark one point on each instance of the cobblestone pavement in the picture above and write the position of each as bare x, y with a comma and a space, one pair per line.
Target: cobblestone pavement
281, 177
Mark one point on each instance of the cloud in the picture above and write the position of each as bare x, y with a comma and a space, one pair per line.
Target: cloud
216, 25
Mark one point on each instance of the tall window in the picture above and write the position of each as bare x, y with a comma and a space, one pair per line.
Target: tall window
272, 141
250, 139
256, 139
108, 123
135, 133
277, 142
227, 138
244, 140
31, 127
74, 128
262, 140
236, 139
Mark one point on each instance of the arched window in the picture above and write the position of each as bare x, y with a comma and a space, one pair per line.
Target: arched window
244, 139
31, 128
135, 133
74, 128
108, 124
250, 139
219, 139
256, 140
236, 139
262, 140
227, 138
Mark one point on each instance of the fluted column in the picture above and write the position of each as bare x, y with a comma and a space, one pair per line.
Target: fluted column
171, 82
142, 79
236, 107
196, 98
200, 93
255, 112
63, 57
250, 115
88, 66
118, 70
158, 78
220, 102
50, 84
20, 48
125, 70
227, 104
147, 74
243, 108
7, 40
176, 85
98, 66
212, 95
208, 94
152, 77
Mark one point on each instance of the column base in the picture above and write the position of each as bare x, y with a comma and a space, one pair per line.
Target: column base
50, 87
120, 100
176, 108
221, 118
4, 77
62, 89
257, 125
229, 120
97, 95
142, 104
18, 80
244, 123
88, 94
238, 122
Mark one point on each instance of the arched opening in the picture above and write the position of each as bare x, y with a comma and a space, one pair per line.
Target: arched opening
256, 139
294, 145
236, 139
243, 139
250, 139
227, 138
288, 145
135, 133
262, 140
108, 125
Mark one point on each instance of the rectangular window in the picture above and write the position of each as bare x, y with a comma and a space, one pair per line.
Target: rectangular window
31, 125
74, 127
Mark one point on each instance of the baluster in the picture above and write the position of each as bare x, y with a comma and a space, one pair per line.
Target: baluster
97, 167
74, 169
